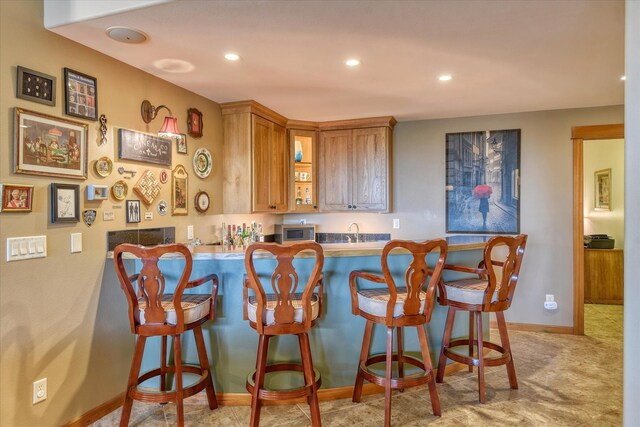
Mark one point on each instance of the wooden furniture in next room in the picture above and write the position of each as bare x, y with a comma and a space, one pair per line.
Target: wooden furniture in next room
152, 312
396, 307
286, 310
604, 276
488, 292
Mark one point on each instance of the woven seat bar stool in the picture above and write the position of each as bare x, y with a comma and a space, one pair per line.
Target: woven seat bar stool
490, 292
285, 310
152, 312
397, 307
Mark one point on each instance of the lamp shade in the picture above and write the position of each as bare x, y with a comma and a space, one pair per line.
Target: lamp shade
169, 127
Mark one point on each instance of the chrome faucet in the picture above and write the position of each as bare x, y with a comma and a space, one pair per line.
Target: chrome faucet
357, 232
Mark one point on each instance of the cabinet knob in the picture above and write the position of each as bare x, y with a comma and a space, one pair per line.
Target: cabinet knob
354, 206
349, 206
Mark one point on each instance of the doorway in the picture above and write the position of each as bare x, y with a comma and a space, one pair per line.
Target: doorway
579, 135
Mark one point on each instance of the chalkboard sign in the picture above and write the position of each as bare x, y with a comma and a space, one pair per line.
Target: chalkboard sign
143, 147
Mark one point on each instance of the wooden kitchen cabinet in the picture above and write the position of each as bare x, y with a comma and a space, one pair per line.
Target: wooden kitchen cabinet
303, 170
255, 153
604, 276
354, 165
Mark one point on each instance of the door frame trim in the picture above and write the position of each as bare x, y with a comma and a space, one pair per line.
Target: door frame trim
579, 134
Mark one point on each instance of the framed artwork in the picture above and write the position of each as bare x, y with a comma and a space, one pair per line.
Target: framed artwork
48, 145
202, 201
147, 187
194, 123
179, 191
119, 190
97, 192
483, 182
80, 95
602, 190
133, 211
65, 203
16, 198
143, 147
36, 86
181, 143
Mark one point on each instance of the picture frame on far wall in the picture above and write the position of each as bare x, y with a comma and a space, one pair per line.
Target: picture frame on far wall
36, 86
16, 198
602, 190
80, 95
194, 123
181, 143
179, 191
49, 146
65, 203
483, 182
133, 211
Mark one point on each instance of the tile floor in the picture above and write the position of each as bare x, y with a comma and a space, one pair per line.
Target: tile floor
564, 380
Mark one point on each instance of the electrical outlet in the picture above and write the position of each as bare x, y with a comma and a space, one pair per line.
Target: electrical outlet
189, 232
396, 222
549, 297
39, 390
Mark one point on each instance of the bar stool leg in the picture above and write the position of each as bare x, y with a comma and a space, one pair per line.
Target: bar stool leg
504, 337
400, 350
364, 353
446, 339
428, 367
481, 391
177, 350
471, 328
204, 367
387, 379
261, 364
163, 364
309, 379
133, 380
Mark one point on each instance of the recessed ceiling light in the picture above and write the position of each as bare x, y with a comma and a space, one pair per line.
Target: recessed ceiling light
126, 35
172, 65
352, 62
623, 78
231, 56
445, 77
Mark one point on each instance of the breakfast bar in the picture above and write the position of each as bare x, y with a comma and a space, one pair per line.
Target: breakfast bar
335, 342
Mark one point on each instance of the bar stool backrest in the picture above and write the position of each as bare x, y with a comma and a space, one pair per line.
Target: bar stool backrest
284, 283
151, 286
416, 276
506, 284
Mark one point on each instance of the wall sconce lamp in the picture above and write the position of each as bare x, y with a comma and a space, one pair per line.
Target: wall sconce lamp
149, 112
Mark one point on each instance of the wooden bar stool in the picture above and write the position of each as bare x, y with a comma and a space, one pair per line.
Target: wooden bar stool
154, 313
284, 311
489, 292
397, 307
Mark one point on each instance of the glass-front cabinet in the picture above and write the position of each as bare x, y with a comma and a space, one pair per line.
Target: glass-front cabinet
303, 170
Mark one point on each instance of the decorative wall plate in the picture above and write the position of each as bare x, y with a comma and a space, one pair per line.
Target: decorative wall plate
202, 201
162, 208
202, 162
119, 190
147, 187
164, 176
103, 166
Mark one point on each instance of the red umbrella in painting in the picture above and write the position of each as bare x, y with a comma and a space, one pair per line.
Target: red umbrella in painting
482, 191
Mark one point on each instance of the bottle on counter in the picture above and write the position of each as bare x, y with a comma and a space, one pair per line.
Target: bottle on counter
260, 233
299, 197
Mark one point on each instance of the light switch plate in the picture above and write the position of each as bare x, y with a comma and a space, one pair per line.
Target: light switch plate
76, 242
19, 248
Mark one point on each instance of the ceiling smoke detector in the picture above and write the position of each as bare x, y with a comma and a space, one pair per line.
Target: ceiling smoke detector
127, 35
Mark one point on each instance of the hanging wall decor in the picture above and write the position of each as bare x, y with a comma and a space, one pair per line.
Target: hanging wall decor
36, 86
179, 191
80, 95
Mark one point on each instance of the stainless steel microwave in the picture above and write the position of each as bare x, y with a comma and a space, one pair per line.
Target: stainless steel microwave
294, 232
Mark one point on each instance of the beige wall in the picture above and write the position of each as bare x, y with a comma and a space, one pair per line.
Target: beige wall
598, 155
56, 319
546, 211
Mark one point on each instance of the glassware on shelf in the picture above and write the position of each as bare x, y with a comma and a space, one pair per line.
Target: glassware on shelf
298, 151
307, 196
299, 196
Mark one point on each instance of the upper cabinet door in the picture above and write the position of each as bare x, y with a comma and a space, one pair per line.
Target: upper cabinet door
335, 167
370, 166
303, 170
261, 164
278, 175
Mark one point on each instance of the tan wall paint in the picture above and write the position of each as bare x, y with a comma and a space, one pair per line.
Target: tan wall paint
598, 155
57, 320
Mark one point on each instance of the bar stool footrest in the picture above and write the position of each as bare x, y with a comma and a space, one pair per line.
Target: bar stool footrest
503, 359
294, 393
169, 396
396, 383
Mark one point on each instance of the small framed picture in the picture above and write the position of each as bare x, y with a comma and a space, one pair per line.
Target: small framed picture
181, 143
133, 211
16, 198
65, 203
80, 95
36, 86
97, 192
603, 190
179, 191
194, 122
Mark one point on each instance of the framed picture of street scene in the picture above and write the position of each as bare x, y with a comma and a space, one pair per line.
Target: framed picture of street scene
483, 182
48, 145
